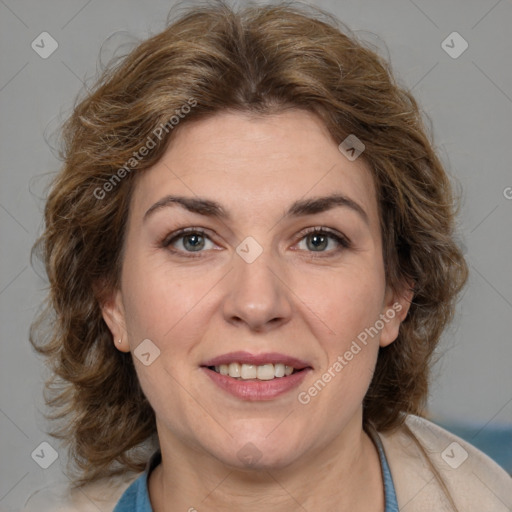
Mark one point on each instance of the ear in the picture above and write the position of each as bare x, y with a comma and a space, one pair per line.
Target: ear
113, 313
395, 308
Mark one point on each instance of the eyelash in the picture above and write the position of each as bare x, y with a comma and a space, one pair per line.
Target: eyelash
343, 241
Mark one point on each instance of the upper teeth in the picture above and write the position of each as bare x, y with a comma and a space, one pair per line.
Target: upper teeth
251, 371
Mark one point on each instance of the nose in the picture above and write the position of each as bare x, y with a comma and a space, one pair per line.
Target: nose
257, 294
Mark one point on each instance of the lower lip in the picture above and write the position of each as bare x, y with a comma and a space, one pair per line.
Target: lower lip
254, 390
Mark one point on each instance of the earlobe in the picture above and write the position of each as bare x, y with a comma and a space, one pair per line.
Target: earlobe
112, 310
394, 313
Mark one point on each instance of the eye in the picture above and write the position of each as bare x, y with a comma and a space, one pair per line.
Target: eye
194, 240
317, 240
191, 240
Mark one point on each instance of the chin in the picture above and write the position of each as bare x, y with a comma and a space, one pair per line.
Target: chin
257, 453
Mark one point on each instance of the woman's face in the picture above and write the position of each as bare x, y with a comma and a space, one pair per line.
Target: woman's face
249, 283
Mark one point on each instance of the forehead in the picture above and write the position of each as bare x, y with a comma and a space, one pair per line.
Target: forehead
251, 163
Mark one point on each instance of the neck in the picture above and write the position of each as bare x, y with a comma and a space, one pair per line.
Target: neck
344, 476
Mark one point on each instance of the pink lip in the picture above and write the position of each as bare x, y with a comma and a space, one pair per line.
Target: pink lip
256, 390
257, 359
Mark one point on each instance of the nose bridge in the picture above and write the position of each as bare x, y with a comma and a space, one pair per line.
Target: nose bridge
257, 294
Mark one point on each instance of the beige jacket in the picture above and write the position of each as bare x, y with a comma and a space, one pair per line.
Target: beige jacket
474, 482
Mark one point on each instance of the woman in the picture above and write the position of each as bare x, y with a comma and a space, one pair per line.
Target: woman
251, 260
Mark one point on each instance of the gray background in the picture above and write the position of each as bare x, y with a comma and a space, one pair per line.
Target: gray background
468, 98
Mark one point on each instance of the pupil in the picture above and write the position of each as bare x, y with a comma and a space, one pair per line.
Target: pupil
316, 238
195, 245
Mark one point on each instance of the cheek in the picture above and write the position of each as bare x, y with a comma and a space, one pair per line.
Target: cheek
159, 302
337, 391
349, 304
346, 303
164, 309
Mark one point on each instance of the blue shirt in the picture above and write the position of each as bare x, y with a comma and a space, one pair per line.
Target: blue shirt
136, 497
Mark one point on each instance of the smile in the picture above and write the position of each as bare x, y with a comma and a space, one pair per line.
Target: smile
251, 371
256, 377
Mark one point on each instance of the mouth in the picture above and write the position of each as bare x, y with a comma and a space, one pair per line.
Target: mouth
242, 371
256, 377
247, 366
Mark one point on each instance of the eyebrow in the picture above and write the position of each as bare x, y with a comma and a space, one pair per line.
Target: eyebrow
301, 207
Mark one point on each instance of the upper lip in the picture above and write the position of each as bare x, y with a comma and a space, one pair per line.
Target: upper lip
257, 359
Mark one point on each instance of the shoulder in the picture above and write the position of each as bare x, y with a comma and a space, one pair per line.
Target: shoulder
98, 496
421, 454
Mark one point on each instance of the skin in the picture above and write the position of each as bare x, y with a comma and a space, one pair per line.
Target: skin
294, 299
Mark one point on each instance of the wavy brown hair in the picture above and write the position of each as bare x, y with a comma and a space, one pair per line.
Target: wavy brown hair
259, 60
